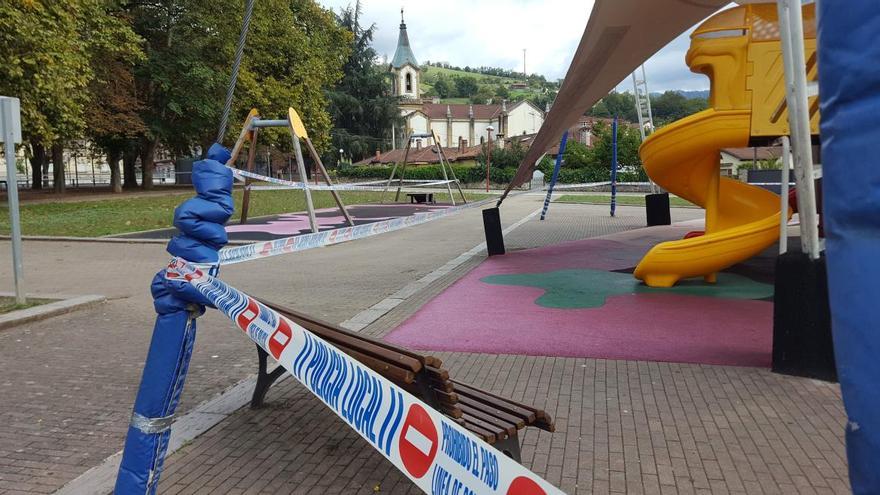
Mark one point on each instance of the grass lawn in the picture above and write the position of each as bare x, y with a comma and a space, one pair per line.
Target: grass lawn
7, 304
604, 199
118, 216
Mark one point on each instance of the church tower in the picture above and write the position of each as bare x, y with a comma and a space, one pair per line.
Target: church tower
405, 70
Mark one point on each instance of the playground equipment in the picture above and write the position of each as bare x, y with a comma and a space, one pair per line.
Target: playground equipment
739, 49
252, 125
444, 163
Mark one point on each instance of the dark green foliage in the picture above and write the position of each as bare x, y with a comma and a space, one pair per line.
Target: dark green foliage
361, 107
466, 86
508, 157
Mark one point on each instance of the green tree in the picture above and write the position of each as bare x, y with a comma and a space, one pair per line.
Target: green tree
466, 86
294, 52
45, 47
443, 86
622, 105
484, 93
596, 161
502, 92
113, 120
672, 106
361, 107
508, 157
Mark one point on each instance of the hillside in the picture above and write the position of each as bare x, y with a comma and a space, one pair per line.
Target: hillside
488, 86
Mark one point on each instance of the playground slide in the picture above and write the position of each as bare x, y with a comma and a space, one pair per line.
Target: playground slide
741, 220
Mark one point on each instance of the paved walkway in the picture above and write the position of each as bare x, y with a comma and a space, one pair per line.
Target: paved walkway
623, 426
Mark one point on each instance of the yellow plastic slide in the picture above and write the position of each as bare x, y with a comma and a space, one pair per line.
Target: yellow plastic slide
739, 50
741, 220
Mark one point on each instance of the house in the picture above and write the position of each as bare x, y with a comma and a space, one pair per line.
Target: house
734, 158
454, 122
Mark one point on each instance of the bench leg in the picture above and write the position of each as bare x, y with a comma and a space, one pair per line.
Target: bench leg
264, 379
510, 447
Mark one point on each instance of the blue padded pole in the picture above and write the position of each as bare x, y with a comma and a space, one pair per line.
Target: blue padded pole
201, 221
613, 165
848, 82
555, 174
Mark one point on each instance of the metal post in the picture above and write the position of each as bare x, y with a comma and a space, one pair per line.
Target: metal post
11, 126
301, 167
555, 175
613, 165
783, 195
792, 36
488, 154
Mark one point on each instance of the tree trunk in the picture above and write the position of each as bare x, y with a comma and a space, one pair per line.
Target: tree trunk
113, 163
148, 156
58, 167
38, 156
129, 175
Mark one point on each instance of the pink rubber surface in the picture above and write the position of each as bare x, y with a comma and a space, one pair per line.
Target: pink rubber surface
473, 316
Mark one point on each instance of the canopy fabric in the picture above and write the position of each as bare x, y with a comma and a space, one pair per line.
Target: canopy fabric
620, 36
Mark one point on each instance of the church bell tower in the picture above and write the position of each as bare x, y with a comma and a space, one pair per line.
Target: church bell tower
405, 70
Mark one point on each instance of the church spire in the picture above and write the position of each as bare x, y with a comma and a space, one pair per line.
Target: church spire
403, 55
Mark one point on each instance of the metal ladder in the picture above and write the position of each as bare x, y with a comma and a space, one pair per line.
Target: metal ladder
643, 108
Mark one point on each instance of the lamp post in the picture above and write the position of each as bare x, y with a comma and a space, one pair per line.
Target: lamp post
488, 153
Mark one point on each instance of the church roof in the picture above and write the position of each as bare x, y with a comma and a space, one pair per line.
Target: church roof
403, 55
460, 111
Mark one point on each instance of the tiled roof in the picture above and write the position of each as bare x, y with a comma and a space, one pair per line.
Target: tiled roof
461, 111
426, 154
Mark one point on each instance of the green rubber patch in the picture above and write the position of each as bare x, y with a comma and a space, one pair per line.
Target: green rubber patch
584, 288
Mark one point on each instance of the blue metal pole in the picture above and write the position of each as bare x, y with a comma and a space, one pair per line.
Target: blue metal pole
555, 176
201, 221
613, 165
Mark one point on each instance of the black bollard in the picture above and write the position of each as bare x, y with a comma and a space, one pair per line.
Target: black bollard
802, 344
492, 226
657, 209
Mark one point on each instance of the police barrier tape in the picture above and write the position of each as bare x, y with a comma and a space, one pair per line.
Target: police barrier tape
597, 184
437, 454
361, 186
265, 249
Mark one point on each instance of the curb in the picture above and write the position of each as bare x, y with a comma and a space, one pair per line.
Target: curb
49, 310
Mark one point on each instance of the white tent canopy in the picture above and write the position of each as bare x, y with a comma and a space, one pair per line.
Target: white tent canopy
620, 36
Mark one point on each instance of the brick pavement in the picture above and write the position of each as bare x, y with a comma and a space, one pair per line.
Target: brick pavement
67, 383
622, 426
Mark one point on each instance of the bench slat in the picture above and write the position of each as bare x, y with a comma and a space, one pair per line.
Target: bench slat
496, 422
505, 416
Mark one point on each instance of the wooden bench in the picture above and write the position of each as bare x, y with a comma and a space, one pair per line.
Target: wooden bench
421, 197
495, 419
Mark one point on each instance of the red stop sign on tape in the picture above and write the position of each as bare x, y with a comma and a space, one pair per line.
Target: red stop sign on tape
418, 441
525, 486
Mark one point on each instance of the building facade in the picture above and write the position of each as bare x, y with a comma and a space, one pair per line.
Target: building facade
454, 123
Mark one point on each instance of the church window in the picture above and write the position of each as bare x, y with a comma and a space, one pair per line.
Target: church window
408, 82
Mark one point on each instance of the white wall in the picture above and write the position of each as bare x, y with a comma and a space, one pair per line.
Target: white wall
401, 82
524, 119
418, 123
461, 129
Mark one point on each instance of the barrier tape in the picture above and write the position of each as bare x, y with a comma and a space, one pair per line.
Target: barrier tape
438, 455
265, 249
362, 186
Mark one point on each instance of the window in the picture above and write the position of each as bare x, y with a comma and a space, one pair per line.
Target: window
408, 82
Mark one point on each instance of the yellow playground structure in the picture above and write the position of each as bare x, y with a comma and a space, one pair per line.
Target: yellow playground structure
739, 50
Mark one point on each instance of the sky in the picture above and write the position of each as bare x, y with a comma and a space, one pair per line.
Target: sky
456, 31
